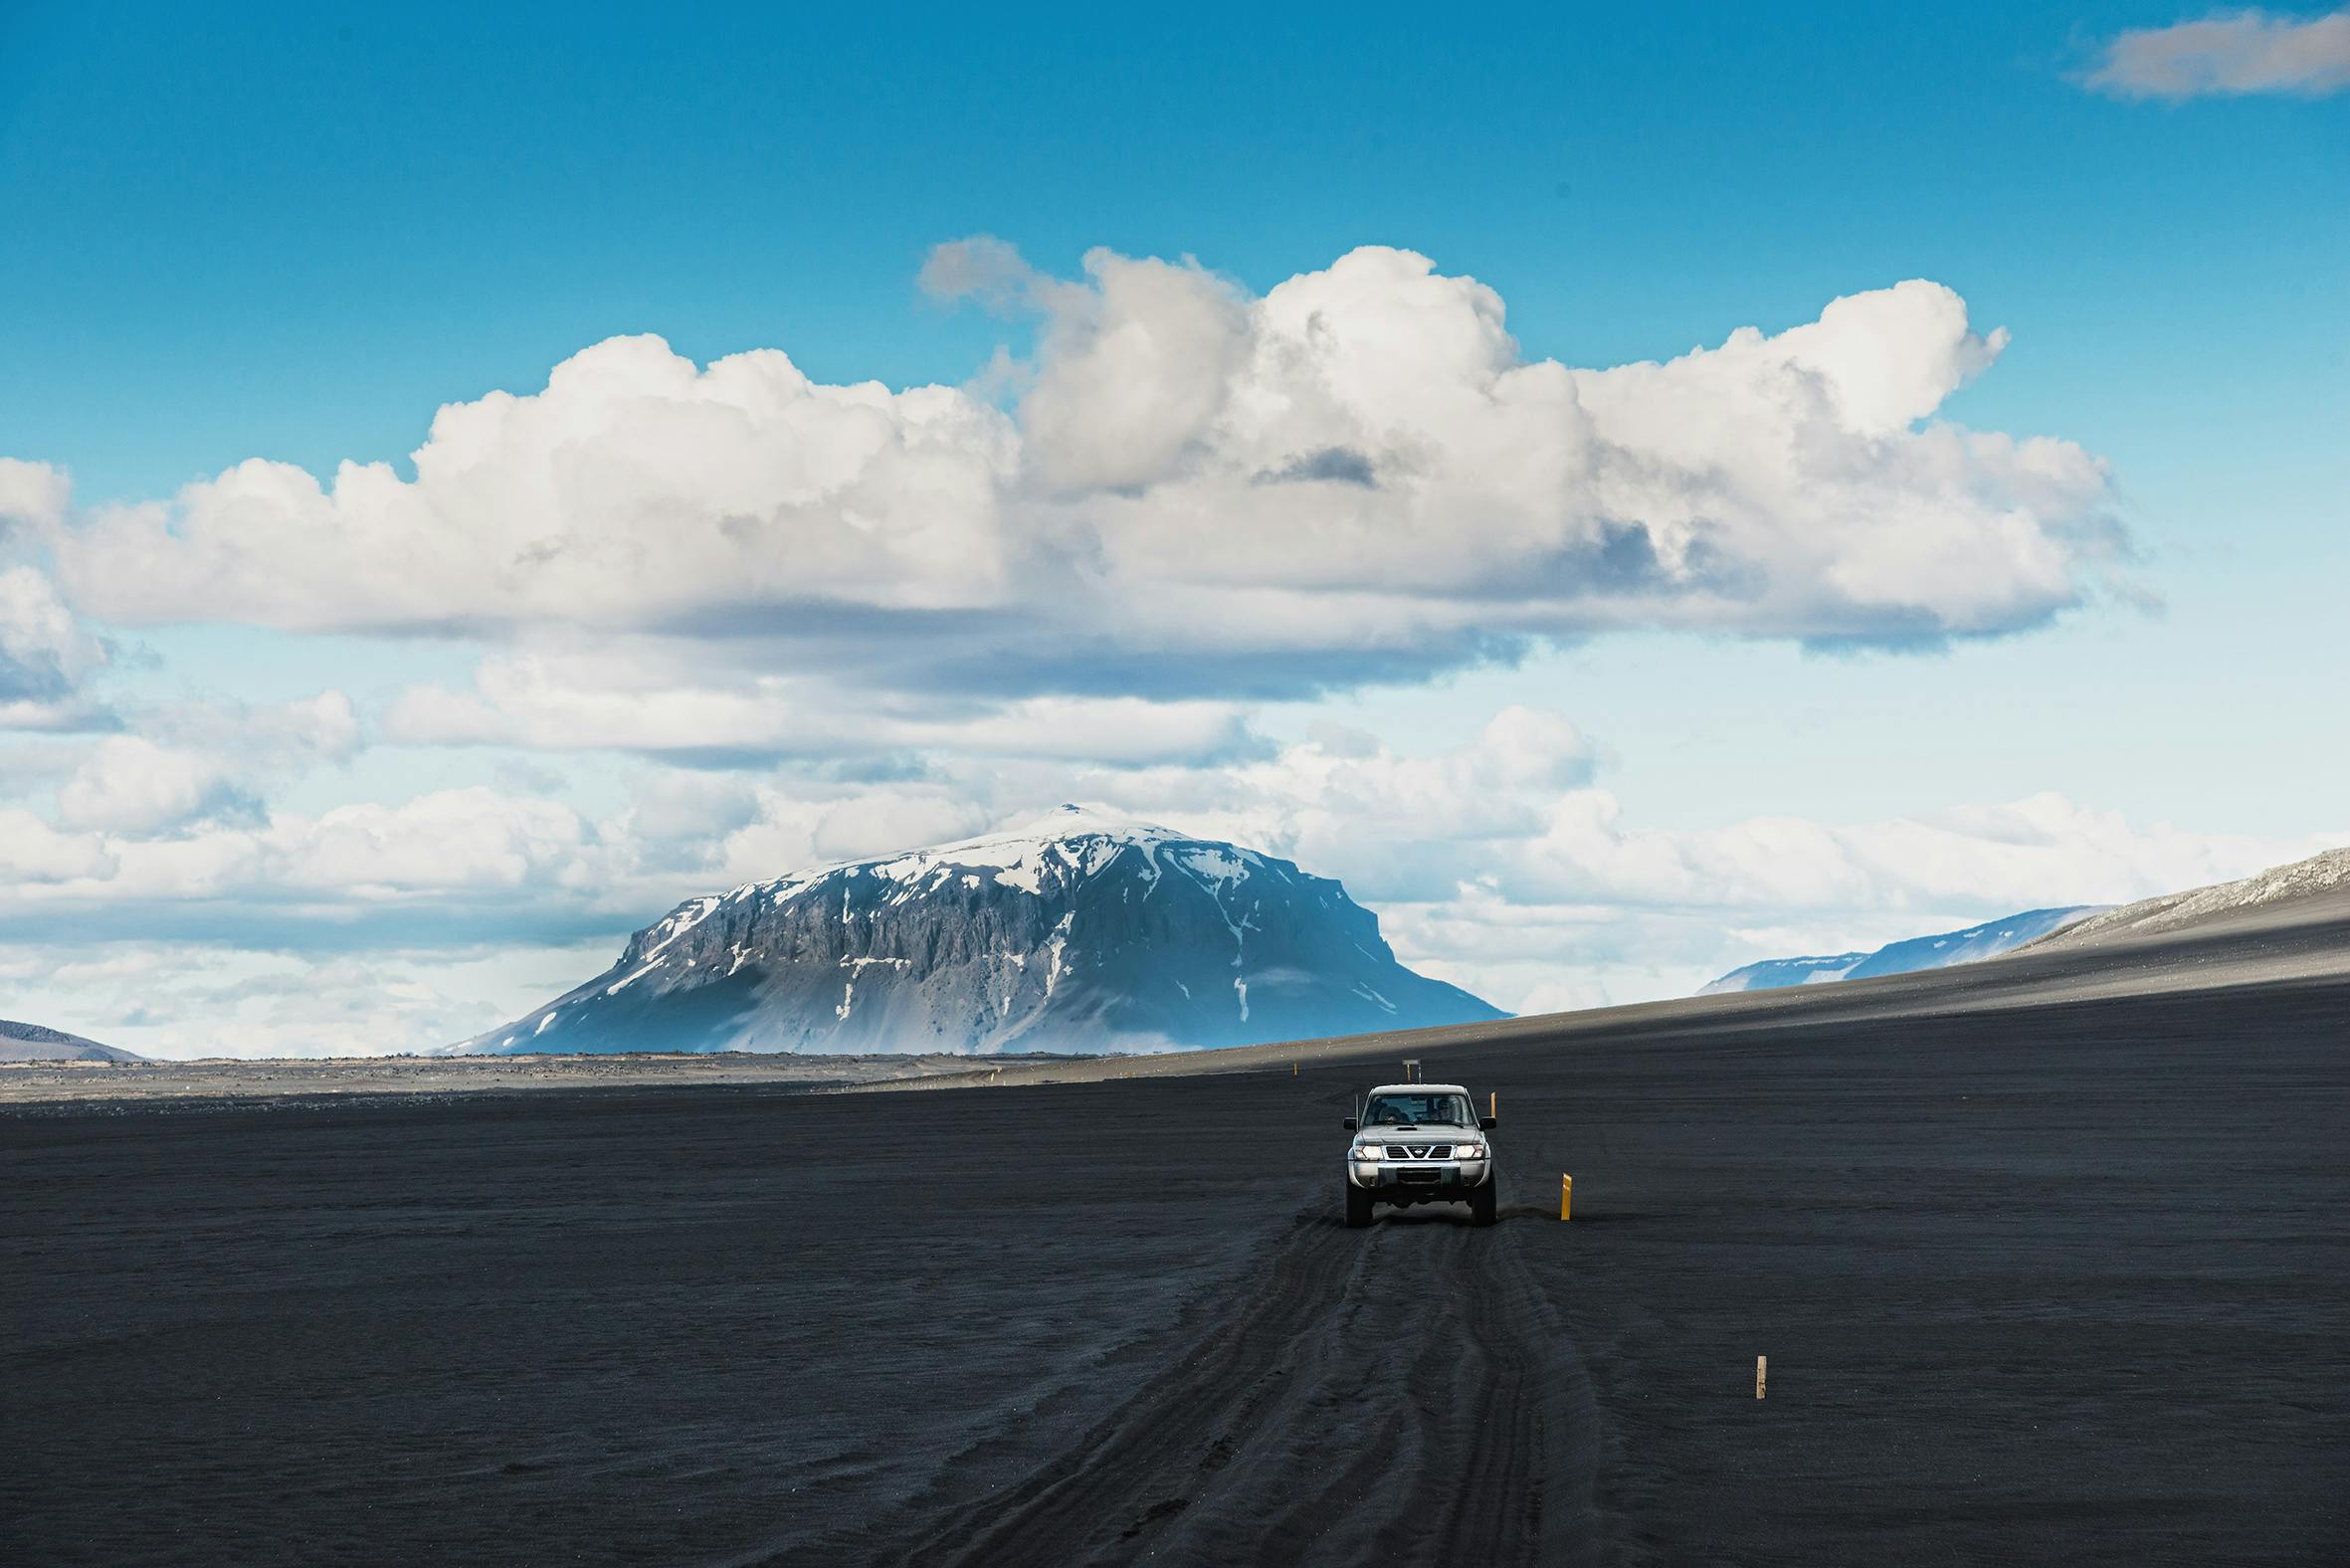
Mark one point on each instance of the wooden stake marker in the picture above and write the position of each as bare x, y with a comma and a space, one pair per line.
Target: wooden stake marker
1761, 1365
1566, 1195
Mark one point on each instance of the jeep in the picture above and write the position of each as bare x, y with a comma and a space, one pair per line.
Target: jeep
1420, 1143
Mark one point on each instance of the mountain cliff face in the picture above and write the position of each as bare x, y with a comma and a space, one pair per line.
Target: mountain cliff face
1986, 940
1078, 933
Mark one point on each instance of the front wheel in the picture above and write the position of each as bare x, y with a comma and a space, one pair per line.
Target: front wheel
1484, 1203
1358, 1207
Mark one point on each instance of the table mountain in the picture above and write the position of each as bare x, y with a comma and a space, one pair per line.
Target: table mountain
1081, 932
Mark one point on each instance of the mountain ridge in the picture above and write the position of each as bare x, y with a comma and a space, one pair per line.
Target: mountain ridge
1936, 950
2326, 872
21, 1042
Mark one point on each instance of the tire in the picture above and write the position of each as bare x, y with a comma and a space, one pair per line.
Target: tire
1484, 1203
1358, 1207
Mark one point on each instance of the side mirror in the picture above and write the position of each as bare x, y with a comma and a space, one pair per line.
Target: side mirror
1487, 1123
1350, 1123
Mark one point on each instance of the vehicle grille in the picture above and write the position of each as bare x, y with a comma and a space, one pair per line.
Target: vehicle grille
1420, 1151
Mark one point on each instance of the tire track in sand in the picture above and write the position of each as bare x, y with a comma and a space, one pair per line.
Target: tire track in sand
1404, 1392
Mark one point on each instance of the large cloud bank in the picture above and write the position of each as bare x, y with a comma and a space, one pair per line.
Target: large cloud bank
1187, 490
1502, 864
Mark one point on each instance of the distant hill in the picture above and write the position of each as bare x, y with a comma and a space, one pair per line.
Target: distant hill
1986, 940
1082, 931
2276, 888
38, 1043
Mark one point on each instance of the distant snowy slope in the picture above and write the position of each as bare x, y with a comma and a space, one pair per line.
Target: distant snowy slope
2280, 884
1986, 940
1769, 974
39, 1043
1081, 932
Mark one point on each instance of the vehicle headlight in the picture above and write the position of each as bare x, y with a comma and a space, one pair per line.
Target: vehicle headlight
1370, 1151
1468, 1151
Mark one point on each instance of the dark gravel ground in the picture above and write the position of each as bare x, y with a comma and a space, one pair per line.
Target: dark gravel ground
2065, 1284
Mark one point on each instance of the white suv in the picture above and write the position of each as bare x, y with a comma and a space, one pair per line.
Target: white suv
1420, 1143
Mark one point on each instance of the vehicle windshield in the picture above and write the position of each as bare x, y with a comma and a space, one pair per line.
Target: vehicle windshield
1425, 1110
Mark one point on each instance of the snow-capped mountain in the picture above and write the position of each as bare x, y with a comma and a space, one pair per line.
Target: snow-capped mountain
1986, 940
1080, 931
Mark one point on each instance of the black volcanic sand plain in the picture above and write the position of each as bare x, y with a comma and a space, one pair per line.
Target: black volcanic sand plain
2065, 1282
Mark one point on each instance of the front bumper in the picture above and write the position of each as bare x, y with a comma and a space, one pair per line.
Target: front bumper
1409, 1181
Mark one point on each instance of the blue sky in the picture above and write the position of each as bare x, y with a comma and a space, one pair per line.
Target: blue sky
284, 235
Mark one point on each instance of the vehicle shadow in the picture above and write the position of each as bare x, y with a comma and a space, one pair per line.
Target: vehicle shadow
1454, 1214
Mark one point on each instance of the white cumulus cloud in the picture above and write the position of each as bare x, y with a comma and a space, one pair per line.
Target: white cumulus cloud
1197, 490
197, 762
46, 656
32, 494
130, 784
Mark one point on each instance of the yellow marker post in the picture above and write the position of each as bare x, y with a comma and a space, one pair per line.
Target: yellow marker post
1761, 1365
1566, 1195
1493, 1103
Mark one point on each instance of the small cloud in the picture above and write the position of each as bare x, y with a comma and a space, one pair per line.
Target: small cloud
45, 652
1331, 464
32, 493
59, 718
983, 267
2229, 55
